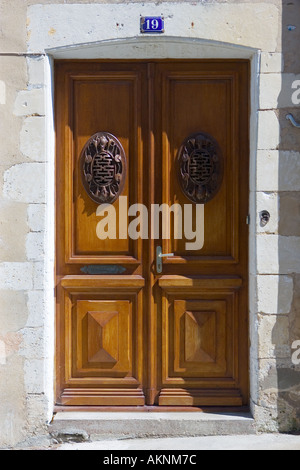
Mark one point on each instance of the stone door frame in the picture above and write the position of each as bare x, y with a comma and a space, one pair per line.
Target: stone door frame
143, 48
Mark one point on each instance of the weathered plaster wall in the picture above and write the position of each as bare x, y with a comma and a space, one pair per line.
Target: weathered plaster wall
30, 31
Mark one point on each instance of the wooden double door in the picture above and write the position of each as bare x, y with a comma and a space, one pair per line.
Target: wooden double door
134, 327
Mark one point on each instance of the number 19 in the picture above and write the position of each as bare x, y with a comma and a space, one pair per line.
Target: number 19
152, 24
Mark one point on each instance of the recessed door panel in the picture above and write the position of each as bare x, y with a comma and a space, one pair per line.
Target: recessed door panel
193, 105
104, 104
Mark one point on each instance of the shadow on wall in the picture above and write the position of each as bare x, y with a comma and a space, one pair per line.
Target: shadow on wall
286, 327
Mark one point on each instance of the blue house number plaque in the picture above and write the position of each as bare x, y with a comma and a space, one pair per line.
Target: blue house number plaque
152, 24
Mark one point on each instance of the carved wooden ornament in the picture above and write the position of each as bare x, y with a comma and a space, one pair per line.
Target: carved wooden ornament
103, 167
200, 167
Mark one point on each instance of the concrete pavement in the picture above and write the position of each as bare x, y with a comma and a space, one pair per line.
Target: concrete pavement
234, 442
117, 431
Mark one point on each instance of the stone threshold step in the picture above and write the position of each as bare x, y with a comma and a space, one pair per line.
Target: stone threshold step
91, 425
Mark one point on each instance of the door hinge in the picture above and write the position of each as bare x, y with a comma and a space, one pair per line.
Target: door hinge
248, 219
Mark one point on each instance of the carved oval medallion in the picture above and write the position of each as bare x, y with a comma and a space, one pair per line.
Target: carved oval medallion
200, 167
103, 167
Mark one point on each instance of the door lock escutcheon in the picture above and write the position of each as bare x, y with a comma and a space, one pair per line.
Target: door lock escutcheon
159, 256
264, 218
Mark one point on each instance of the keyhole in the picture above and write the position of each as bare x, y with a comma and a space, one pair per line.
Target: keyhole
264, 218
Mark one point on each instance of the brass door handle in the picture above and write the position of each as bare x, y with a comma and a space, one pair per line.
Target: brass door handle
159, 256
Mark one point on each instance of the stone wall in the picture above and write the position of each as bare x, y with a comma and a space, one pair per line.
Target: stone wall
279, 319
31, 32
